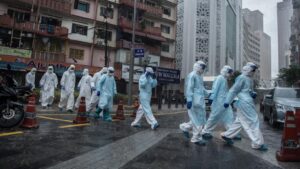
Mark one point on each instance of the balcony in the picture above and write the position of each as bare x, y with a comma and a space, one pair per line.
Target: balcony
127, 45
147, 8
150, 32
49, 56
62, 6
45, 30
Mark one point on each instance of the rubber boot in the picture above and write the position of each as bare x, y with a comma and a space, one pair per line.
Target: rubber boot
106, 116
98, 111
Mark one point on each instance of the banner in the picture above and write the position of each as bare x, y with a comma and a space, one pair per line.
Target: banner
15, 52
165, 75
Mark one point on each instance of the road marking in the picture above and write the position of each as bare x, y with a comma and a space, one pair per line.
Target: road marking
11, 133
55, 119
48, 114
74, 125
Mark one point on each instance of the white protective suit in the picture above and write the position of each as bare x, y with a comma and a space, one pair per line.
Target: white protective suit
195, 94
146, 83
67, 83
247, 117
218, 112
30, 78
48, 85
106, 89
95, 99
85, 89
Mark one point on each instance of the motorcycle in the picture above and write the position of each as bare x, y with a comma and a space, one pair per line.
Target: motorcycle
12, 100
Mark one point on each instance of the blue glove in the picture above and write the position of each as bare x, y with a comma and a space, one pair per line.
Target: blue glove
210, 101
226, 105
253, 95
189, 105
63, 87
153, 76
98, 93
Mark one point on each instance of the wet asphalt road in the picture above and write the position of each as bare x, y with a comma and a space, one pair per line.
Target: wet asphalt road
103, 145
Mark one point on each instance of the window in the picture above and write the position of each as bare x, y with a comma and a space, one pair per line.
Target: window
149, 23
77, 54
101, 34
83, 6
166, 11
165, 48
19, 16
80, 29
109, 12
150, 3
165, 29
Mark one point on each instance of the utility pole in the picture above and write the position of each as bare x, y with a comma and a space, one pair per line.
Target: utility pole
106, 35
131, 67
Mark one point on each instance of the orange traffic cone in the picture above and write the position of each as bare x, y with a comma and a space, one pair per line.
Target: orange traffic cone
120, 111
30, 120
136, 106
81, 117
290, 146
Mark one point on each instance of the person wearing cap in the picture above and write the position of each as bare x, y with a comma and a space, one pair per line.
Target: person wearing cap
147, 82
195, 94
216, 99
247, 116
67, 84
48, 84
106, 89
30, 78
85, 90
95, 99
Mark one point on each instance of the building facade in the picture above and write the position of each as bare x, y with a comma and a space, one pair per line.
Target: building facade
284, 16
204, 30
295, 32
88, 33
257, 46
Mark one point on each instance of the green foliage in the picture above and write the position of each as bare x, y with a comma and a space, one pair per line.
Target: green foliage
290, 75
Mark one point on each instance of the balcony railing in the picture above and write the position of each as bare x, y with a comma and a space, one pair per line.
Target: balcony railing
42, 29
49, 56
125, 23
128, 45
63, 6
149, 9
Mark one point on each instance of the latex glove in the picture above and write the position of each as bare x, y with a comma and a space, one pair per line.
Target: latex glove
253, 95
189, 105
98, 93
226, 105
210, 101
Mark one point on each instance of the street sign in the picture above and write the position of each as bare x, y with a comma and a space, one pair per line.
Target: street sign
139, 53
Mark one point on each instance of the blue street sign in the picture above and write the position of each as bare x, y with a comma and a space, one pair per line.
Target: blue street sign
139, 53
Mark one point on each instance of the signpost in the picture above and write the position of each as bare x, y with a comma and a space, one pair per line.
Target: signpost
139, 53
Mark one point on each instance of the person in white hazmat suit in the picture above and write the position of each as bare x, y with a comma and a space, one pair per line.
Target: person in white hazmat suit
30, 78
48, 84
195, 94
146, 83
247, 117
85, 89
106, 89
67, 84
217, 99
95, 99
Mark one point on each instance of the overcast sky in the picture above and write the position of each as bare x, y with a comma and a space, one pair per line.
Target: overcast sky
269, 9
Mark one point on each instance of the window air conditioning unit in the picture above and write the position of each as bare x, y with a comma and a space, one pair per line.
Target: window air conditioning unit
100, 42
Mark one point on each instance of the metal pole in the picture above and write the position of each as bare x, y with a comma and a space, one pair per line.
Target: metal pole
132, 56
106, 45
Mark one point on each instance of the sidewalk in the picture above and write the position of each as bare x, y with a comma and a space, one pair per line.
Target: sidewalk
164, 109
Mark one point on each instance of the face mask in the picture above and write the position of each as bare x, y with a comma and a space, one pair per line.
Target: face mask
50, 70
71, 70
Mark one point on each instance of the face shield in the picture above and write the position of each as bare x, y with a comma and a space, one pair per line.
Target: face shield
111, 71
50, 69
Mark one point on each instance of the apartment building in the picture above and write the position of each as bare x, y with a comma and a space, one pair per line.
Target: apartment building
63, 32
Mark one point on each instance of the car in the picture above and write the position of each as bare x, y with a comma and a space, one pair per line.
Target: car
277, 102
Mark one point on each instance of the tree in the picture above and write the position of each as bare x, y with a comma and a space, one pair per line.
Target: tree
291, 75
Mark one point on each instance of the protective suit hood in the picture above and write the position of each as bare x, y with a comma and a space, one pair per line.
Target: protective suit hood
85, 72
149, 69
71, 69
104, 70
247, 70
50, 69
226, 71
111, 71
